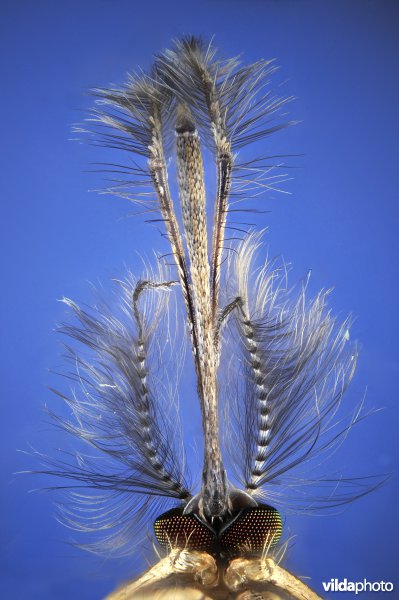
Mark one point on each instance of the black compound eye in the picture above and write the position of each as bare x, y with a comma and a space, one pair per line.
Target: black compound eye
183, 531
254, 529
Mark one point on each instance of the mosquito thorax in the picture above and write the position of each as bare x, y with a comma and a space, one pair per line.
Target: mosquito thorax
248, 526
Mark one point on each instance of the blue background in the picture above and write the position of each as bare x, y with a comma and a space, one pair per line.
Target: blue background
340, 59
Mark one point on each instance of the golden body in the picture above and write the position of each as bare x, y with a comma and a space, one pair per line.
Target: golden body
192, 575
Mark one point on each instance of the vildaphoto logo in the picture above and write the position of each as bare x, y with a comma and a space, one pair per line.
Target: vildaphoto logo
335, 585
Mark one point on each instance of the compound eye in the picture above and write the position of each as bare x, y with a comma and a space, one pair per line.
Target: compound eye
173, 529
253, 530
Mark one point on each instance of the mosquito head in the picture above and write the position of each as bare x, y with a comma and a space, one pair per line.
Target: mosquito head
248, 525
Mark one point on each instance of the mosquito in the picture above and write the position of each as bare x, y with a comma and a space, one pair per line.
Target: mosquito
271, 367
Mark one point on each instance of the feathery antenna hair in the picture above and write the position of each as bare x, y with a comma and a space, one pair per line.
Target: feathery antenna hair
296, 366
122, 413
291, 362
193, 92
